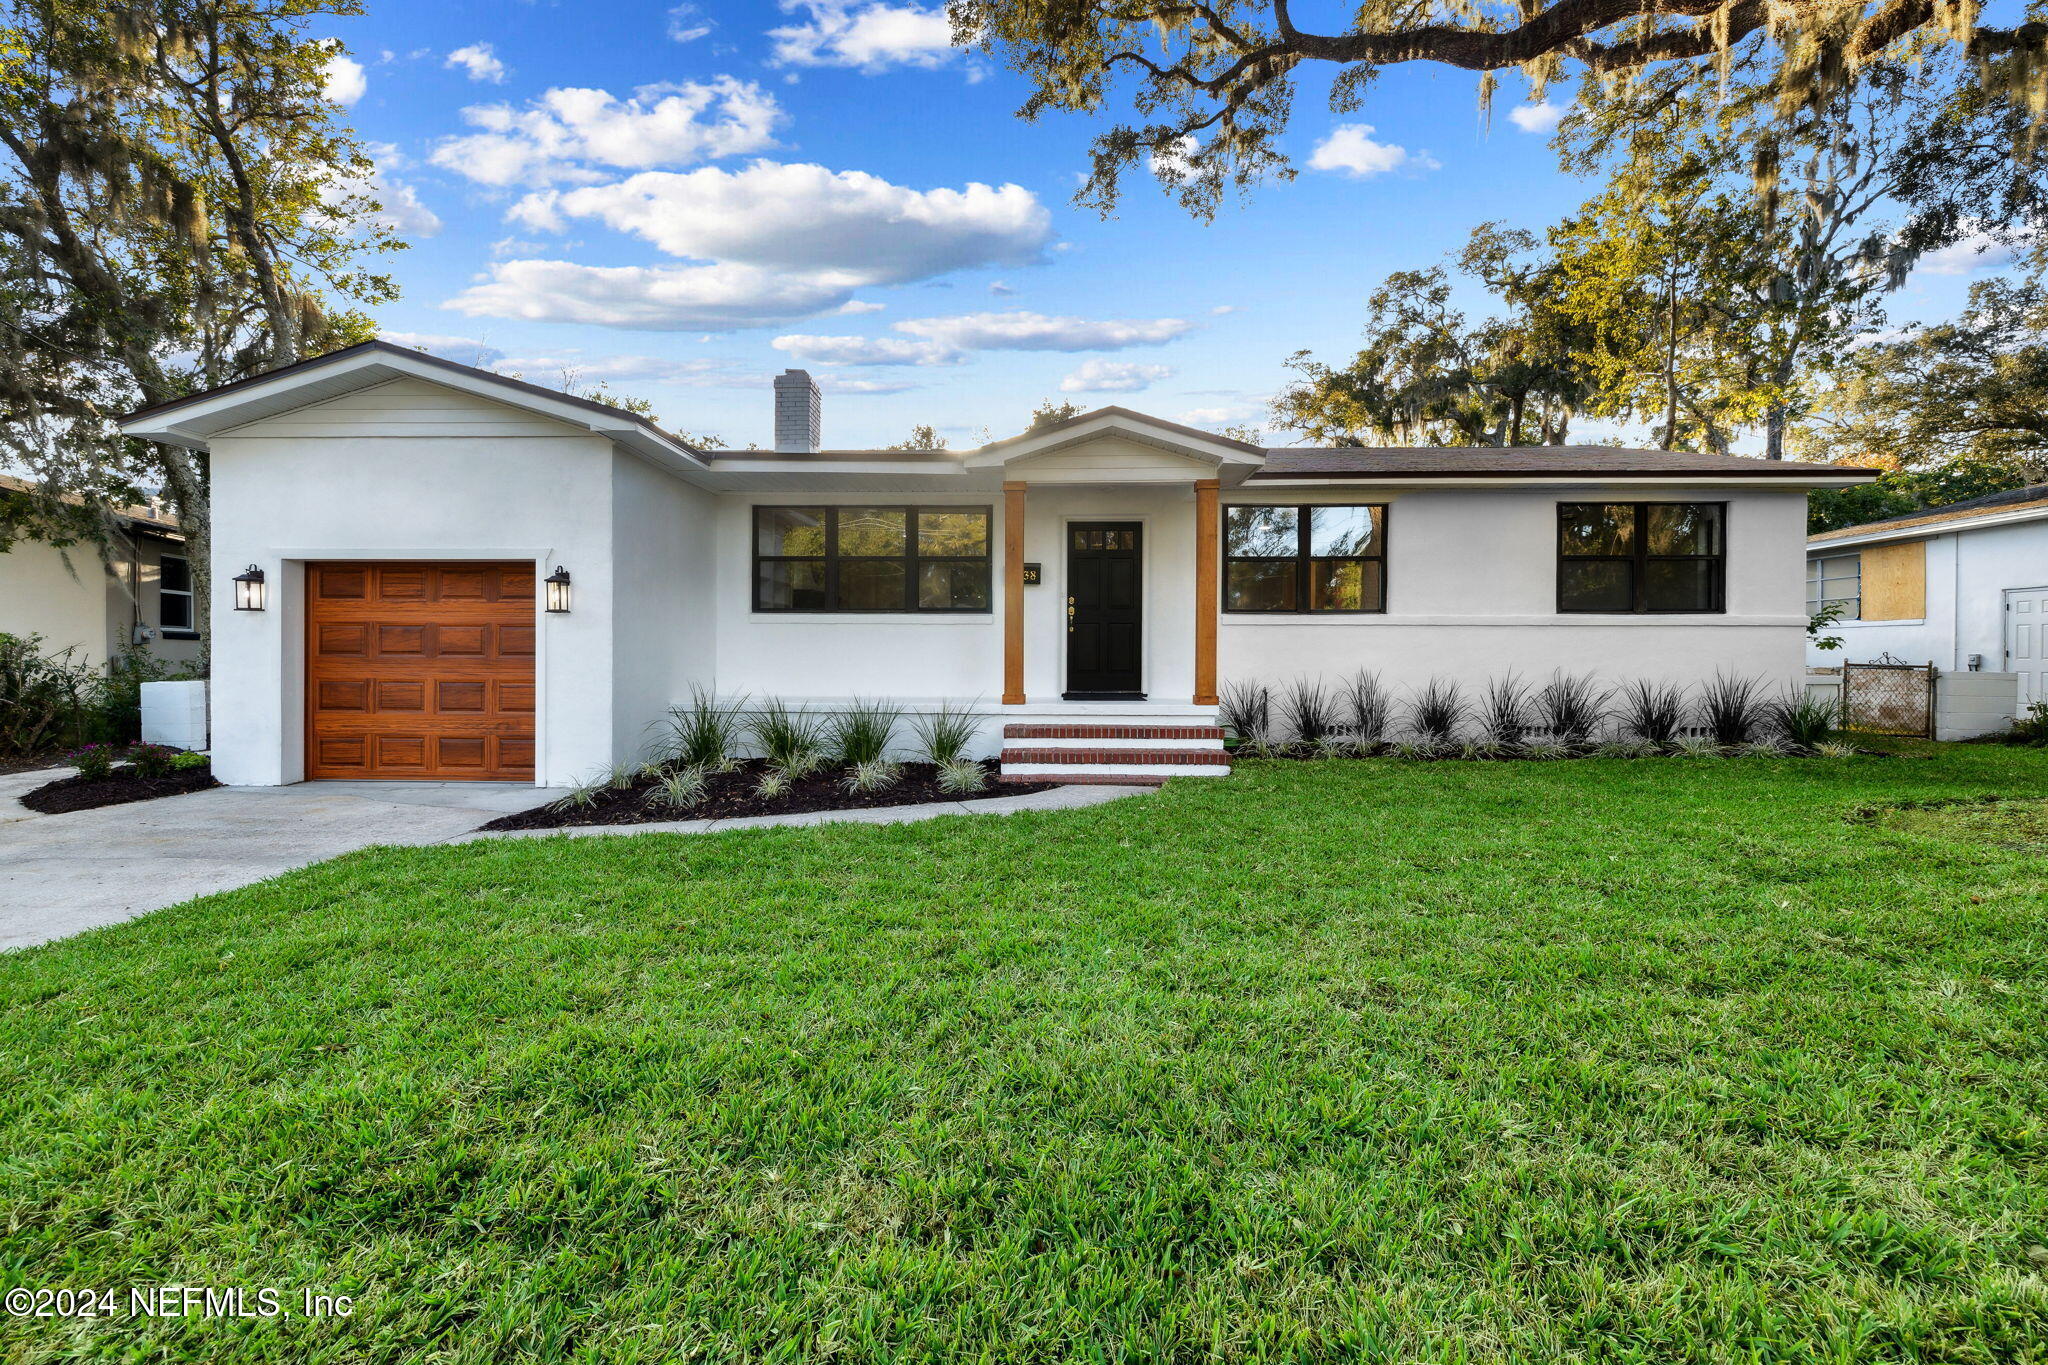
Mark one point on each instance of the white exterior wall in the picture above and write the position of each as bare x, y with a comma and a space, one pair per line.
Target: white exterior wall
664, 572
824, 656
1968, 572
1472, 594
407, 470
60, 595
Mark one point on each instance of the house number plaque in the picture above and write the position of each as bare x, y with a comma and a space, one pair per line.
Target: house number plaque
1031, 578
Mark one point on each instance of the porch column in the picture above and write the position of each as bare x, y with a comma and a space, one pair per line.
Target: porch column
1207, 590
1013, 594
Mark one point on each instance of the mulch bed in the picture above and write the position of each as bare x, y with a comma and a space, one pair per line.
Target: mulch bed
731, 795
117, 789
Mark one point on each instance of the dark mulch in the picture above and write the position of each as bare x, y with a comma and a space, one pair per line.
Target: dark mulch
25, 765
117, 789
731, 795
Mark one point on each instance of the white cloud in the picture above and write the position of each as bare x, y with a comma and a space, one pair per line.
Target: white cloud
1171, 163
400, 209
559, 136
479, 61
467, 350
799, 217
687, 23
1026, 331
704, 373
1536, 118
1113, 376
718, 297
1224, 310
871, 37
1001, 288
861, 306
1234, 415
1350, 149
1977, 251
832, 383
948, 340
344, 82
832, 350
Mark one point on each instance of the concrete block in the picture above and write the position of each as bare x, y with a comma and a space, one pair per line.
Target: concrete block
175, 713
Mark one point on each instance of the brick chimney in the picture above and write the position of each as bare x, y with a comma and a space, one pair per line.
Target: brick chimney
796, 412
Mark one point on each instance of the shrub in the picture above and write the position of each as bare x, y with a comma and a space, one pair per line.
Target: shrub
1367, 707
1310, 711
2032, 728
1696, 746
1571, 707
876, 774
960, 776
93, 761
152, 760
1652, 712
790, 738
772, 783
1247, 711
862, 732
1731, 708
1504, 710
682, 789
186, 762
583, 795
1437, 711
114, 713
44, 698
1802, 721
943, 735
704, 733
1835, 748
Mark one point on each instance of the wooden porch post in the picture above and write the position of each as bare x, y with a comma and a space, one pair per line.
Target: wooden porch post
1207, 590
1013, 594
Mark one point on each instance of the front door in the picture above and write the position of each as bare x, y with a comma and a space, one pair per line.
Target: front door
2026, 641
1105, 596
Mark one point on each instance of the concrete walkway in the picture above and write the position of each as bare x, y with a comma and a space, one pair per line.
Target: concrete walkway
64, 874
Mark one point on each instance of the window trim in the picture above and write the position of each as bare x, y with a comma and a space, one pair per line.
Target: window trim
1640, 559
1302, 560
189, 631
1816, 579
911, 559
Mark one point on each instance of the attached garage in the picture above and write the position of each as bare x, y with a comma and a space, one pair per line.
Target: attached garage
420, 670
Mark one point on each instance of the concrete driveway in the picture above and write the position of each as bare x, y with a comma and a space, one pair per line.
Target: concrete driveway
63, 874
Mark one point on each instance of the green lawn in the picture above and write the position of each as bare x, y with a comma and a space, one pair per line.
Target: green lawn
1600, 1060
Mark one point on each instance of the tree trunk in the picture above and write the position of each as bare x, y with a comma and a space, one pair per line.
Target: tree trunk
1671, 362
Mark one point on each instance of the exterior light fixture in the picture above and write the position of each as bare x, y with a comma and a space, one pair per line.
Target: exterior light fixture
249, 590
558, 589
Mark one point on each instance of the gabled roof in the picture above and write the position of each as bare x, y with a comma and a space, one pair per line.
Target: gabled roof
1423, 462
2015, 504
192, 420
1191, 442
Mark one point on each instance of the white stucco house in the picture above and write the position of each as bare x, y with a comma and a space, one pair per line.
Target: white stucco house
1963, 587
1091, 582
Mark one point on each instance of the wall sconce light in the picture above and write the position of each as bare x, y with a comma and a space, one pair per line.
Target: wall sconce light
558, 589
249, 590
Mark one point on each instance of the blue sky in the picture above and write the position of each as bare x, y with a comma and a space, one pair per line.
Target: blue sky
683, 200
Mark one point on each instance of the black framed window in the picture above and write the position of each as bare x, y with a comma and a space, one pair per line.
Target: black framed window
872, 559
1619, 557
174, 594
1310, 558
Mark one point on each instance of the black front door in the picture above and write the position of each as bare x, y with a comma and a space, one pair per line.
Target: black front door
1105, 593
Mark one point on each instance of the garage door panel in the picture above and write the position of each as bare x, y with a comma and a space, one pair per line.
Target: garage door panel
420, 671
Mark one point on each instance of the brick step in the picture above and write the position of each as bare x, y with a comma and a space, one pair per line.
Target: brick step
1179, 733
1090, 757
1097, 778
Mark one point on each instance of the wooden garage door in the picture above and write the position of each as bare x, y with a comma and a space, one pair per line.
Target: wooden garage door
419, 671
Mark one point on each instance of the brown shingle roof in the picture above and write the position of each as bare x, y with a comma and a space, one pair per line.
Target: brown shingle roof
148, 518
1410, 462
2012, 500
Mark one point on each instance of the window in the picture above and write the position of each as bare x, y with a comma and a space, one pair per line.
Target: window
1304, 559
1640, 556
174, 594
871, 559
1837, 580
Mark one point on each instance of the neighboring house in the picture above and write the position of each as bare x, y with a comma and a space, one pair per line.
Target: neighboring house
140, 596
1108, 570
1963, 587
